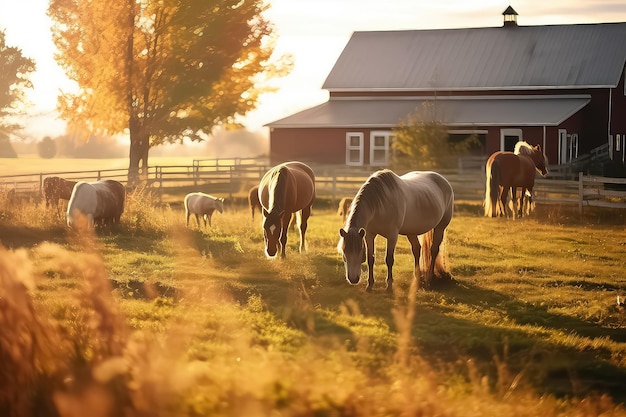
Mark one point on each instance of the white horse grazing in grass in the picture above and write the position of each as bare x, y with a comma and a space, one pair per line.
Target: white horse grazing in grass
201, 204
99, 203
418, 205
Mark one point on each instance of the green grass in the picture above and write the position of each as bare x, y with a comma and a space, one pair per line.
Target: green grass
200, 322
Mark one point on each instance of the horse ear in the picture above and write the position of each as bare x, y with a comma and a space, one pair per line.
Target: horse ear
221, 199
362, 232
342, 232
537, 147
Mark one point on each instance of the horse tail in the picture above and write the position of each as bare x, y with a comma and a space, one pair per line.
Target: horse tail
491, 188
441, 261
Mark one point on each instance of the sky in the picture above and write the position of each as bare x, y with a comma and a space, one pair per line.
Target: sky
313, 32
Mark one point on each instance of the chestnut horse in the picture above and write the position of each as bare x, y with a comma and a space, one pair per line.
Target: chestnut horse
56, 188
417, 204
253, 200
285, 189
505, 171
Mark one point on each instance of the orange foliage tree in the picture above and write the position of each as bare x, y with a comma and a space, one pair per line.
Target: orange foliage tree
162, 71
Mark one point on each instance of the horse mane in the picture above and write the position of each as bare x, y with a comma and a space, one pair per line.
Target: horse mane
376, 192
523, 148
280, 184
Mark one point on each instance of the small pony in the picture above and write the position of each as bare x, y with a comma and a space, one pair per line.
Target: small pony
201, 204
505, 171
344, 207
285, 189
417, 204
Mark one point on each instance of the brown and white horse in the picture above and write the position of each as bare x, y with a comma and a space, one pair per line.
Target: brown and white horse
95, 203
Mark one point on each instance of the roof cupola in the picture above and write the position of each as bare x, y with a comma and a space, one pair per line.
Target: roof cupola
510, 17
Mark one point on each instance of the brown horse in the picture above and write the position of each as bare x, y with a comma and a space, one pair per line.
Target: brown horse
253, 200
344, 207
505, 171
56, 188
285, 189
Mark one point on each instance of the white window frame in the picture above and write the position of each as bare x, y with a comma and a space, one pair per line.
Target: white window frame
388, 135
563, 146
350, 148
510, 132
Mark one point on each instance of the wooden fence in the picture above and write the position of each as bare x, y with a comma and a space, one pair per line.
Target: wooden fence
235, 176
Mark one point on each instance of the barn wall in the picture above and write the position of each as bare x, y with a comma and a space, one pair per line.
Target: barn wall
325, 146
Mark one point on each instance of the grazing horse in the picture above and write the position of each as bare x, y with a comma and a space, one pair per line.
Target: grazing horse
344, 207
201, 204
253, 200
99, 203
505, 171
285, 189
416, 204
56, 188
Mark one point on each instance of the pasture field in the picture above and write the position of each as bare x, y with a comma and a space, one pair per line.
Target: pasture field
155, 319
33, 164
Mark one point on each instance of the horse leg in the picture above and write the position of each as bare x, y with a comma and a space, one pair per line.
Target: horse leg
369, 243
434, 252
303, 218
504, 194
415, 249
284, 228
197, 220
389, 260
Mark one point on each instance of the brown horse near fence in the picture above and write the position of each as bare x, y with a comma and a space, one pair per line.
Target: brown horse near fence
285, 189
253, 200
55, 189
505, 171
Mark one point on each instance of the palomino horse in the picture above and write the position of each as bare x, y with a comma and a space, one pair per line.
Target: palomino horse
285, 189
344, 207
508, 170
56, 188
417, 205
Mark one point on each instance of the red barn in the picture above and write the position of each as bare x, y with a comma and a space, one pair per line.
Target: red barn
558, 86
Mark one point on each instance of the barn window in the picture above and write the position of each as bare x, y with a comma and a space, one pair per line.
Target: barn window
354, 148
379, 147
618, 143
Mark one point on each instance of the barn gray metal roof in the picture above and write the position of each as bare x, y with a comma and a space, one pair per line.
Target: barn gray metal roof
515, 58
387, 112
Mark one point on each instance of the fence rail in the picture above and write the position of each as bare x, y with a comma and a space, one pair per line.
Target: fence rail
236, 176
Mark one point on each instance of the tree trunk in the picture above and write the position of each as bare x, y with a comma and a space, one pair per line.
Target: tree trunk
138, 157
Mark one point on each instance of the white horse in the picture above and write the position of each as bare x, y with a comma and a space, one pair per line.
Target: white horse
201, 204
417, 204
100, 202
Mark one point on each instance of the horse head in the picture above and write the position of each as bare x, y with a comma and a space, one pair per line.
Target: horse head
540, 160
272, 228
353, 249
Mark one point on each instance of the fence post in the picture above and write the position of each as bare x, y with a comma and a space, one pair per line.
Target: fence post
580, 194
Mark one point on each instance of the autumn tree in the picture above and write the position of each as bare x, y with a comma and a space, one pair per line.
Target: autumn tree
161, 71
14, 72
422, 142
